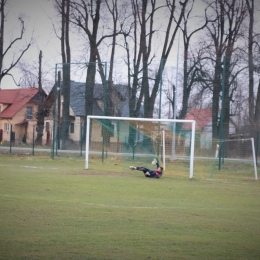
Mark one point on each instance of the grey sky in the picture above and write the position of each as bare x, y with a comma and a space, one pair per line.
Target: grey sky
38, 15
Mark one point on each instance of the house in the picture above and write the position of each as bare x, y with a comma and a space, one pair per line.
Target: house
119, 96
18, 108
118, 93
203, 118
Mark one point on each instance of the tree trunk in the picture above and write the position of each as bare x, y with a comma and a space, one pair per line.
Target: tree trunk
215, 98
40, 114
257, 106
65, 122
225, 109
250, 7
66, 59
2, 26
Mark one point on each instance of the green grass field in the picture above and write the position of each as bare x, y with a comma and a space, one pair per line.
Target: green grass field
55, 209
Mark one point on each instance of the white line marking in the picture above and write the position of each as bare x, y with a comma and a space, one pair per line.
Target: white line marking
34, 167
129, 207
31, 167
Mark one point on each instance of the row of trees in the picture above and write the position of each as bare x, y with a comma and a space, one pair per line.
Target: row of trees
226, 29
142, 34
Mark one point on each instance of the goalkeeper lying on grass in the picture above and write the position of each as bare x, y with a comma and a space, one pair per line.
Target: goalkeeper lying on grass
150, 173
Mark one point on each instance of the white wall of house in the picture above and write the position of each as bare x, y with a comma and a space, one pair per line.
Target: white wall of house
75, 129
206, 136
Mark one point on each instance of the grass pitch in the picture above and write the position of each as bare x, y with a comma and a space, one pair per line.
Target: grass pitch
55, 209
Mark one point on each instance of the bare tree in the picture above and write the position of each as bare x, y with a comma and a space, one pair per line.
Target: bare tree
30, 76
253, 43
135, 61
41, 113
224, 34
63, 8
4, 71
168, 40
144, 78
33, 76
236, 13
112, 6
250, 7
257, 105
144, 13
86, 16
191, 67
91, 18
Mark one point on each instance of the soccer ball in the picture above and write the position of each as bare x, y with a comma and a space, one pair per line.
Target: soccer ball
154, 162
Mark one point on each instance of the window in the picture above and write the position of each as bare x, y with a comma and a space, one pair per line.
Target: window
47, 126
29, 113
72, 128
7, 127
114, 129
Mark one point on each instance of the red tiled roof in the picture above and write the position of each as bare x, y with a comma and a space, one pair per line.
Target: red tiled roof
15, 99
201, 116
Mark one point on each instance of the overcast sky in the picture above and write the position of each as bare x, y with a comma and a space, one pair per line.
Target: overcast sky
38, 16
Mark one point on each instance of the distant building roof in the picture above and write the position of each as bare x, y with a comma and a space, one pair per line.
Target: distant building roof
77, 98
202, 116
15, 99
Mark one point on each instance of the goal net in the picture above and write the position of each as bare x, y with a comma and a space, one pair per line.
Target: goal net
124, 141
225, 159
238, 157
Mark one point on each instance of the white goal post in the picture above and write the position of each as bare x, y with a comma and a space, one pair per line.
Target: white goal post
254, 159
143, 120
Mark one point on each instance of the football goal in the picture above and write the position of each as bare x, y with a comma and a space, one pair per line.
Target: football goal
237, 155
137, 141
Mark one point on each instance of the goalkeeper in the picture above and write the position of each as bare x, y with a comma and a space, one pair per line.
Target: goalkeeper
150, 173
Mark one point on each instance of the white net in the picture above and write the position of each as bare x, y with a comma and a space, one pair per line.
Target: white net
226, 159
